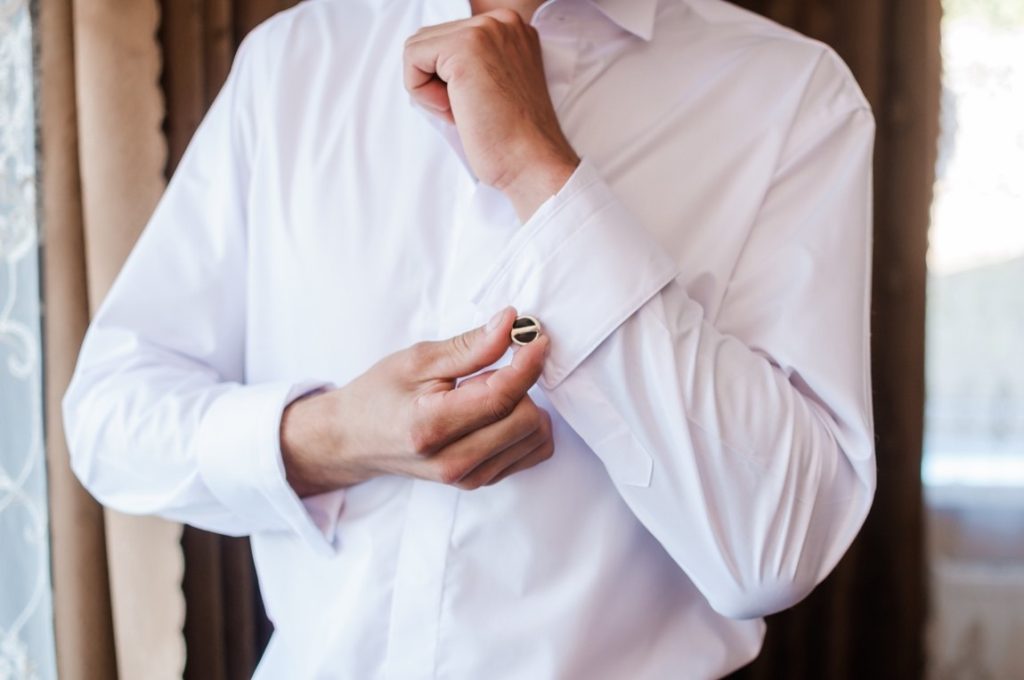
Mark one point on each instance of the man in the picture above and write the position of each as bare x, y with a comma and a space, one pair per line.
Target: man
678, 193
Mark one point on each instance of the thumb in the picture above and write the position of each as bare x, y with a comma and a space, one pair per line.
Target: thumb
473, 350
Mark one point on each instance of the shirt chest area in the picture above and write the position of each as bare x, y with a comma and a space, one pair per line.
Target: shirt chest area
368, 235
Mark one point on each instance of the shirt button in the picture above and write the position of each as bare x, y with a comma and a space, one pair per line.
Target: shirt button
525, 329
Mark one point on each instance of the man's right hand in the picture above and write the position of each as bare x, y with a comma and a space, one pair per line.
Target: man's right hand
408, 415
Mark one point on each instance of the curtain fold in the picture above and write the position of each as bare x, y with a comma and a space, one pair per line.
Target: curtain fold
117, 578
83, 621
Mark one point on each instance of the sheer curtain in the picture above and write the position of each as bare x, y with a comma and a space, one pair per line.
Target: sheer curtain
26, 623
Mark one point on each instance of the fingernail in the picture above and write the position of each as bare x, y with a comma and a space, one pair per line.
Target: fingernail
496, 320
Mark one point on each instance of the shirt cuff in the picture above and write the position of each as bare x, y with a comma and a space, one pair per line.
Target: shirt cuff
238, 446
581, 265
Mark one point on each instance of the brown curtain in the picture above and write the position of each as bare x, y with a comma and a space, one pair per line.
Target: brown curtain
867, 620
116, 579
82, 613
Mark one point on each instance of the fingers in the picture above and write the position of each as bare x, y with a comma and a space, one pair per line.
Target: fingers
482, 21
428, 65
430, 56
446, 415
534, 458
477, 378
432, 95
467, 352
488, 472
522, 372
419, 73
480, 457
453, 462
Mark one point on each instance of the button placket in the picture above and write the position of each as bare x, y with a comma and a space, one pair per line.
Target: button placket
484, 221
430, 512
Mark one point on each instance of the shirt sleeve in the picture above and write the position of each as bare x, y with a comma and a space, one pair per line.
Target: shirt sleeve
158, 414
743, 443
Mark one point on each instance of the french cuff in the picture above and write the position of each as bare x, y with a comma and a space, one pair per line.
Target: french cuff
239, 451
581, 265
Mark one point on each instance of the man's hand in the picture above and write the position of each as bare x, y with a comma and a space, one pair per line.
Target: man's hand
485, 75
407, 416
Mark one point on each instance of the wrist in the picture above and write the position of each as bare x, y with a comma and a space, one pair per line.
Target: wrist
541, 176
312, 444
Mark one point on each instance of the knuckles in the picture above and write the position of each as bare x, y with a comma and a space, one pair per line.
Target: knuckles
424, 437
476, 40
497, 21
417, 357
459, 347
416, 353
529, 415
449, 472
548, 450
545, 422
505, 15
467, 484
500, 406
481, 34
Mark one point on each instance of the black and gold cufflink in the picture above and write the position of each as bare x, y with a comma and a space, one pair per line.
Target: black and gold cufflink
525, 330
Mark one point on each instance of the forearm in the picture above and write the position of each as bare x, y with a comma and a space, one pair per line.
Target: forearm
752, 486
742, 441
541, 178
132, 422
153, 431
314, 445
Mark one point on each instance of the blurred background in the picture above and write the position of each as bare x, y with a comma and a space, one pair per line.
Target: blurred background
973, 467
98, 99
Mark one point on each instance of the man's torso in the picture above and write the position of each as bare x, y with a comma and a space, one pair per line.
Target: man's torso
365, 232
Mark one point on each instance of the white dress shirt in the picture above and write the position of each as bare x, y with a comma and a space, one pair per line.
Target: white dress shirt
703, 277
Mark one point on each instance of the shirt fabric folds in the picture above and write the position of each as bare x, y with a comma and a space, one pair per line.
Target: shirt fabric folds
703, 277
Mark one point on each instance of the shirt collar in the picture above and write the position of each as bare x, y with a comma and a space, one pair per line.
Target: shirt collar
635, 16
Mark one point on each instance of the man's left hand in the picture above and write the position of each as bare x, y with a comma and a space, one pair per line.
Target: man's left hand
485, 75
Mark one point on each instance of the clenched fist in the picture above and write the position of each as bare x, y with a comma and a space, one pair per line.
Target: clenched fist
409, 415
485, 75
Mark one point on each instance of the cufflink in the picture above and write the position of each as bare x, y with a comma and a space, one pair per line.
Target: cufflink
525, 329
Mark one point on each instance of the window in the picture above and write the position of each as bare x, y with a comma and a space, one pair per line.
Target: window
974, 424
974, 417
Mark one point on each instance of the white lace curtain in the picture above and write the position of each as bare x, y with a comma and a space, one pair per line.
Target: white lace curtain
26, 619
